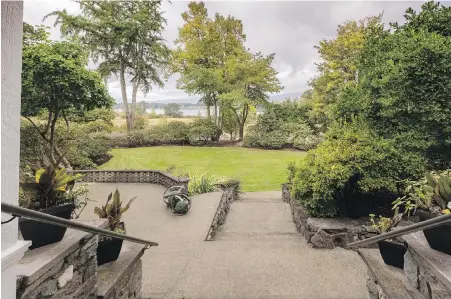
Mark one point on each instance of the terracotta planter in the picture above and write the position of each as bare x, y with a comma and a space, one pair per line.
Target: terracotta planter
41, 234
109, 249
439, 238
392, 253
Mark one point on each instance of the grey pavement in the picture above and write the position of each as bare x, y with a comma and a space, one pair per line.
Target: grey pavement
256, 254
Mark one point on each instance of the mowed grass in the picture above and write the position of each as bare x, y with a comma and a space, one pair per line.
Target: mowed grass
258, 170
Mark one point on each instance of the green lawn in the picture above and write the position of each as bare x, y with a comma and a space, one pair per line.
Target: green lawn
258, 170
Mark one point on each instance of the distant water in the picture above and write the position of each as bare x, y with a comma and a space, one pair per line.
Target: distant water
185, 111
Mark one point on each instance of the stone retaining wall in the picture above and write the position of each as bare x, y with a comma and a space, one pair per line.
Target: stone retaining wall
132, 176
326, 232
122, 278
66, 269
229, 195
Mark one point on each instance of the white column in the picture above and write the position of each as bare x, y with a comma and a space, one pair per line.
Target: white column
12, 249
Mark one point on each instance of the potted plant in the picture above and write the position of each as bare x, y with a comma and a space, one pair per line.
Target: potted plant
427, 198
108, 249
47, 190
391, 250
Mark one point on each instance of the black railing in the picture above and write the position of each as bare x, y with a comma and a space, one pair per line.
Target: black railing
46, 218
434, 222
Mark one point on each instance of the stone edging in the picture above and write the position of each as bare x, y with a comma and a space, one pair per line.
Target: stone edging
326, 232
229, 195
132, 176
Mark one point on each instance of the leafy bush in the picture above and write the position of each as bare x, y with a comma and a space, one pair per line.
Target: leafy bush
272, 140
140, 138
177, 132
105, 114
351, 168
203, 130
94, 127
283, 125
140, 122
118, 139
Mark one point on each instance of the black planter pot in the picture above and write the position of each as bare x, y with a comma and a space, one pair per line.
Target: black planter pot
108, 250
41, 234
392, 253
439, 238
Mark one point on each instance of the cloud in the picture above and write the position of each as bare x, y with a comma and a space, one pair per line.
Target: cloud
289, 29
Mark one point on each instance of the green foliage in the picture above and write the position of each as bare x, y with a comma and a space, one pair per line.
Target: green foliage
339, 67
172, 110
203, 182
282, 125
113, 211
407, 80
126, 37
431, 193
433, 17
45, 187
351, 163
202, 130
55, 78
105, 114
214, 63
140, 122
31, 145
396, 82
385, 224
176, 133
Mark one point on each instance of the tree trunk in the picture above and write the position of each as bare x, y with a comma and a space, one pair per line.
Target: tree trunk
208, 111
216, 113
52, 137
124, 95
133, 107
66, 162
241, 137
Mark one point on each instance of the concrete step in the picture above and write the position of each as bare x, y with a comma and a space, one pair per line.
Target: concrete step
266, 196
259, 237
427, 270
259, 217
386, 281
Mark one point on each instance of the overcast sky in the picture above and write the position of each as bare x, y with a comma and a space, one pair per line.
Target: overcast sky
289, 29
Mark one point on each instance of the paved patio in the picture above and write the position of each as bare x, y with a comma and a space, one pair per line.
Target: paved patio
257, 253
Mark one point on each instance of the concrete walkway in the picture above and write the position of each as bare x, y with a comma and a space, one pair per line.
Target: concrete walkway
256, 254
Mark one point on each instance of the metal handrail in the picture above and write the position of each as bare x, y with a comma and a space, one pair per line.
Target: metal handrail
434, 222
46, 218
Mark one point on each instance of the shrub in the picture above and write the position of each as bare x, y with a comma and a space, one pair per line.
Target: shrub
279, 128
140, 138
272, 140
140, 122
88, 150
118, 139
94, 127
203, 130
177, 132
353, 167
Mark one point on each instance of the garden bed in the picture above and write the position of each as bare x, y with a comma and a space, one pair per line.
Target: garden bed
327, 232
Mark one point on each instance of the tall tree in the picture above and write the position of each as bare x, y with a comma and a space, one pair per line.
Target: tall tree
55, 77
125, 36
203, 47
249, 78
339, 66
